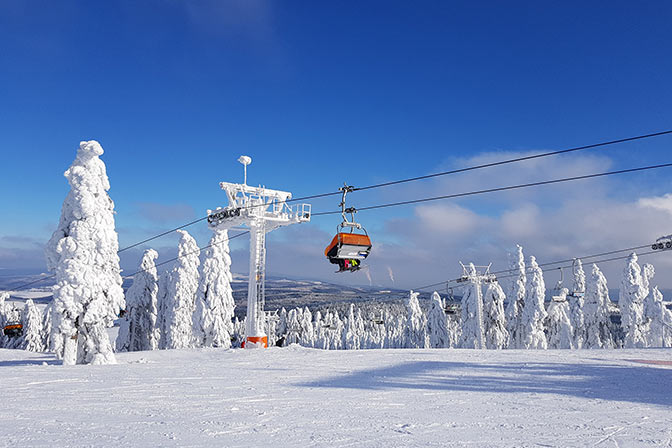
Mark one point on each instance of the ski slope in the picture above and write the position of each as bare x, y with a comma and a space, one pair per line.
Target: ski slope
371, 398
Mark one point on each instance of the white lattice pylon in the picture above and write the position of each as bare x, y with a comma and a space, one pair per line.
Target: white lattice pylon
260, 210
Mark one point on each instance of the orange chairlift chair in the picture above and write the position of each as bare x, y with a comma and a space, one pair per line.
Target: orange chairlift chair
348, 249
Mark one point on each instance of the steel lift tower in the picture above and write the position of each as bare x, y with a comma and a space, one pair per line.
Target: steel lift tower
260, 210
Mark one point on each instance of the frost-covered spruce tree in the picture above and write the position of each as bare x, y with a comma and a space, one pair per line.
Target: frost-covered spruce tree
534, 312
138, 330
181, 295
351, 337
631, 302
47, 314
494, 322
576, 301
659, 318
33, 337
293, 327
437, 324
473, 335
560, 333
596, 312
648, 272
307, 331
281, 328
214, 301
516, 297
416, 323
82, 252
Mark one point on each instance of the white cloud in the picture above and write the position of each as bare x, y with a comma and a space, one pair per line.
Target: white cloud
663, 203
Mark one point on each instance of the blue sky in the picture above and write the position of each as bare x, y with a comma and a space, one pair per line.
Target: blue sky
318, 93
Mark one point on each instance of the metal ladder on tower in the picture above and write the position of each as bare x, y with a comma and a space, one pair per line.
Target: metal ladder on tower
261, 276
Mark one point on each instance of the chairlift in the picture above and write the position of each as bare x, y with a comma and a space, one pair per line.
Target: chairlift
378, 321
557, 294
662, 243
348, 249
13, 329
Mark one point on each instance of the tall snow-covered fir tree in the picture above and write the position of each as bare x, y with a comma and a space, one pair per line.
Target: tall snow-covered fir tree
596, 312
214, 302
351, 336
307, 330
494, 320
576, 301
473, 335
534, 312
293, 327
82, 253
516, 297
33, 337
631, 302
437, 323
659, 320
560, 333
138, 330
416, 323
181, 295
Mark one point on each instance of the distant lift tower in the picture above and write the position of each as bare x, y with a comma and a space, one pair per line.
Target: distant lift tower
260, 210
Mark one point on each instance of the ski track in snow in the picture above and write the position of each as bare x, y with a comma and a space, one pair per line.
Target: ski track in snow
371, 398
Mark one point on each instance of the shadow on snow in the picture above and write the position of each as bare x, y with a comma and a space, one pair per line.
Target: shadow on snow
606, 382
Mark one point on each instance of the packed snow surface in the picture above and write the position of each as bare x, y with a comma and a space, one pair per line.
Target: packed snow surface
375, 398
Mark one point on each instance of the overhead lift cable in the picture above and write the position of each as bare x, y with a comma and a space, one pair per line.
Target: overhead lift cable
428, 176
507, 188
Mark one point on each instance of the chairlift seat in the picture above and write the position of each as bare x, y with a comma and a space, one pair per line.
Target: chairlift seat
13, 329
348, 246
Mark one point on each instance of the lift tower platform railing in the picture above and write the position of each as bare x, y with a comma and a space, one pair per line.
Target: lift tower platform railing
260, 210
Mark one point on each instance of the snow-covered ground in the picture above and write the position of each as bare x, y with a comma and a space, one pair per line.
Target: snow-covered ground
304, 397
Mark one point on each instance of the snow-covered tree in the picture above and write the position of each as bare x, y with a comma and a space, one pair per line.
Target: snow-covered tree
494, 322
181, 295
596, 312
293, 327
351, 337
307, 331
516, 297
576, 302
473, 335
659, 318
138, 330
214, 301
437, 323
631, 303
33, 337
83, 254
416, 323
534, 312
47, 326
560, 333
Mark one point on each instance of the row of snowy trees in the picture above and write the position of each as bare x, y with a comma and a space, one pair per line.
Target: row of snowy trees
189, 306
580, 319
197, 311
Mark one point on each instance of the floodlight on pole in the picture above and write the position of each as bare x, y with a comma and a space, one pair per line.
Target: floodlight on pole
245, 160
